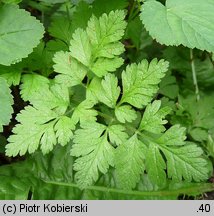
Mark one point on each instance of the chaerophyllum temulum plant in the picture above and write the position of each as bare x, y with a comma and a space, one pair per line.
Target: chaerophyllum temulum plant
99, 109
112, 122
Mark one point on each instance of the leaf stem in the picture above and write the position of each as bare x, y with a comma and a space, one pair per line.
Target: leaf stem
43, 17
206, 187
194, 76
67, 11
132, 10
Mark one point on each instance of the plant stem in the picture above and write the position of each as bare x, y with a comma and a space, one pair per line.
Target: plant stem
67, 11
194, 76
131, 10
43, 17
189, 190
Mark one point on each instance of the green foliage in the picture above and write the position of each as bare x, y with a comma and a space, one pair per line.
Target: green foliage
98, 112
43, 177
140, 83
6, 101
98, 46
11, 74
129, 163
11, 1
31, 84
18, 31
145, 149
189, 23
102, 6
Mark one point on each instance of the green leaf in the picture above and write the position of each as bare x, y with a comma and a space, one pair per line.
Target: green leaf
53, 1
96, 153
169, 87
27, 179
117, 134
40, 60
103, 6
199, 134
13, 188
23, 139
140, 82
210, 146
106, 30
31, 114
183, 160
108, 90
153, 118
18, 31
186, 162
16, 181
80, 47
43, 177
31, 84
48, 138
189, 23
175, 135
61, 28
129, 163
11, 73
104, 34
11, 1
160, 154
85, 136
104, 65
125, 113
78, 20
155, 165
135, 31
64, 129
84, 113
56, 45
56, 97
94, 87
6, 101
201, 112
71, 71
97, 48
48, 109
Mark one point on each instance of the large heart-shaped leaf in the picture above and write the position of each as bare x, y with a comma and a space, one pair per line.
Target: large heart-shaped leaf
181, 22
6, 101
19, 34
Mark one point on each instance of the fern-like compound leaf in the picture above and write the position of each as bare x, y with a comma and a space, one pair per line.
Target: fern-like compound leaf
84, 112
183, 160
106, 91
153, 118
41, 125
140, 81
80, 47
160, 153
98, 48
71, 72
125, 113
129, 163
97, 154
186, 163
155, 165
64, 130
117, 134
31, 84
